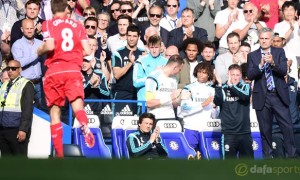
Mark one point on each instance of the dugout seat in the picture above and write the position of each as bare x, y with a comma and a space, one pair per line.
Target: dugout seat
100, 149
117, 134
257, 144
174, 140
210, 136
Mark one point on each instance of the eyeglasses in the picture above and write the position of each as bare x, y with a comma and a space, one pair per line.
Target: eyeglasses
114, 10
174, 6
157, 15
128, 10
11, 68
89, 14
88, 26
72, 0
248, 11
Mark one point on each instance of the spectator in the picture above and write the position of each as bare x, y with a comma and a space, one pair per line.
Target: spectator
205, 11
123, 61
270, 92
248, 29
150, 31
119, 40
91, 25
103, 23
25, 50
188, 30
198, 106
146, 65
155, 14
269, 11
63, 77
192, 48
32, 8
171, 21
89, 12
4, 76
126, 8
74, 15
16, 98
162, 95
170, 51
11, 11
101, 6
140, 12
234, 101
223, 61
208, 53
278, 42
244, 50
144, 143
4, 44
224, 21
115, 13
289, 28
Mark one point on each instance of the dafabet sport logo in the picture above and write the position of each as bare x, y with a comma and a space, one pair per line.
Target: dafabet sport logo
243, 169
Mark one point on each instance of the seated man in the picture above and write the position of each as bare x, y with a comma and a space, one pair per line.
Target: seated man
145, 143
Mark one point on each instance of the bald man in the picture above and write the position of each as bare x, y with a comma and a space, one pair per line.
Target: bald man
16, 97
25, 51
170, 51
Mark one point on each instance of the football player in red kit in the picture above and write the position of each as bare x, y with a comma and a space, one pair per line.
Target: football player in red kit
65, 42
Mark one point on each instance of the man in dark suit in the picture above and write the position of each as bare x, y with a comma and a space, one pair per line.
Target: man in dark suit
188, 30
155, 14
267, 66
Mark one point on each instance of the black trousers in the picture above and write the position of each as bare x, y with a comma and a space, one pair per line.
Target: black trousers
9, 144
238, 146
278, 145
275, 107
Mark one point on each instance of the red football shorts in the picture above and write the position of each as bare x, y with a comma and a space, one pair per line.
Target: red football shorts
61, 85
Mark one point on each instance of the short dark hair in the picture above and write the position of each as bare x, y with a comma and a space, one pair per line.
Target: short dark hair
175, 59
146, 115
58, 6
188, 9
124, 16
209, 44
188, 41
204, 67
287, 4
37, 2
233, 34
154, 39
156, 6
245, 44
92, 19
133, 28
235, 66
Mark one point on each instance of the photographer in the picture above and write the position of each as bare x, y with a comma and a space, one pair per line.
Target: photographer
145, 142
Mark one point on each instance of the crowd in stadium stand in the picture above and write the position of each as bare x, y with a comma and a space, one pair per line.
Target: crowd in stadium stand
136, 45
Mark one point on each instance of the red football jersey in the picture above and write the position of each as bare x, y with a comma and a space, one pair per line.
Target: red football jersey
67, 35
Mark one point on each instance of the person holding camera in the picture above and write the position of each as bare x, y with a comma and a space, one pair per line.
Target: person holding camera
267, 66
146, 142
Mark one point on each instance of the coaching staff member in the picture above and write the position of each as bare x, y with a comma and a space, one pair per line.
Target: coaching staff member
16, 97
267, 66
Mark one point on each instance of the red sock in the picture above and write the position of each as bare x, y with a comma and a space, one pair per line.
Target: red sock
81, 117
56, 134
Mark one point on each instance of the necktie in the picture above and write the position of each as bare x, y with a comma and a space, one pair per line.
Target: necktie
174, 23
269, 77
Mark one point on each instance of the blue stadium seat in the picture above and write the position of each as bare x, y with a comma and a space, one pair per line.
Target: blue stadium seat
119, 124
210, 136
100, 150
257, 144
174, 140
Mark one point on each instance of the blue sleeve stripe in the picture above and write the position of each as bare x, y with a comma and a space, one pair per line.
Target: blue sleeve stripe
244, 89
132, 145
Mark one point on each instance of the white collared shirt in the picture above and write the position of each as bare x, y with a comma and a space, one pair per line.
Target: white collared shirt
168, 23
